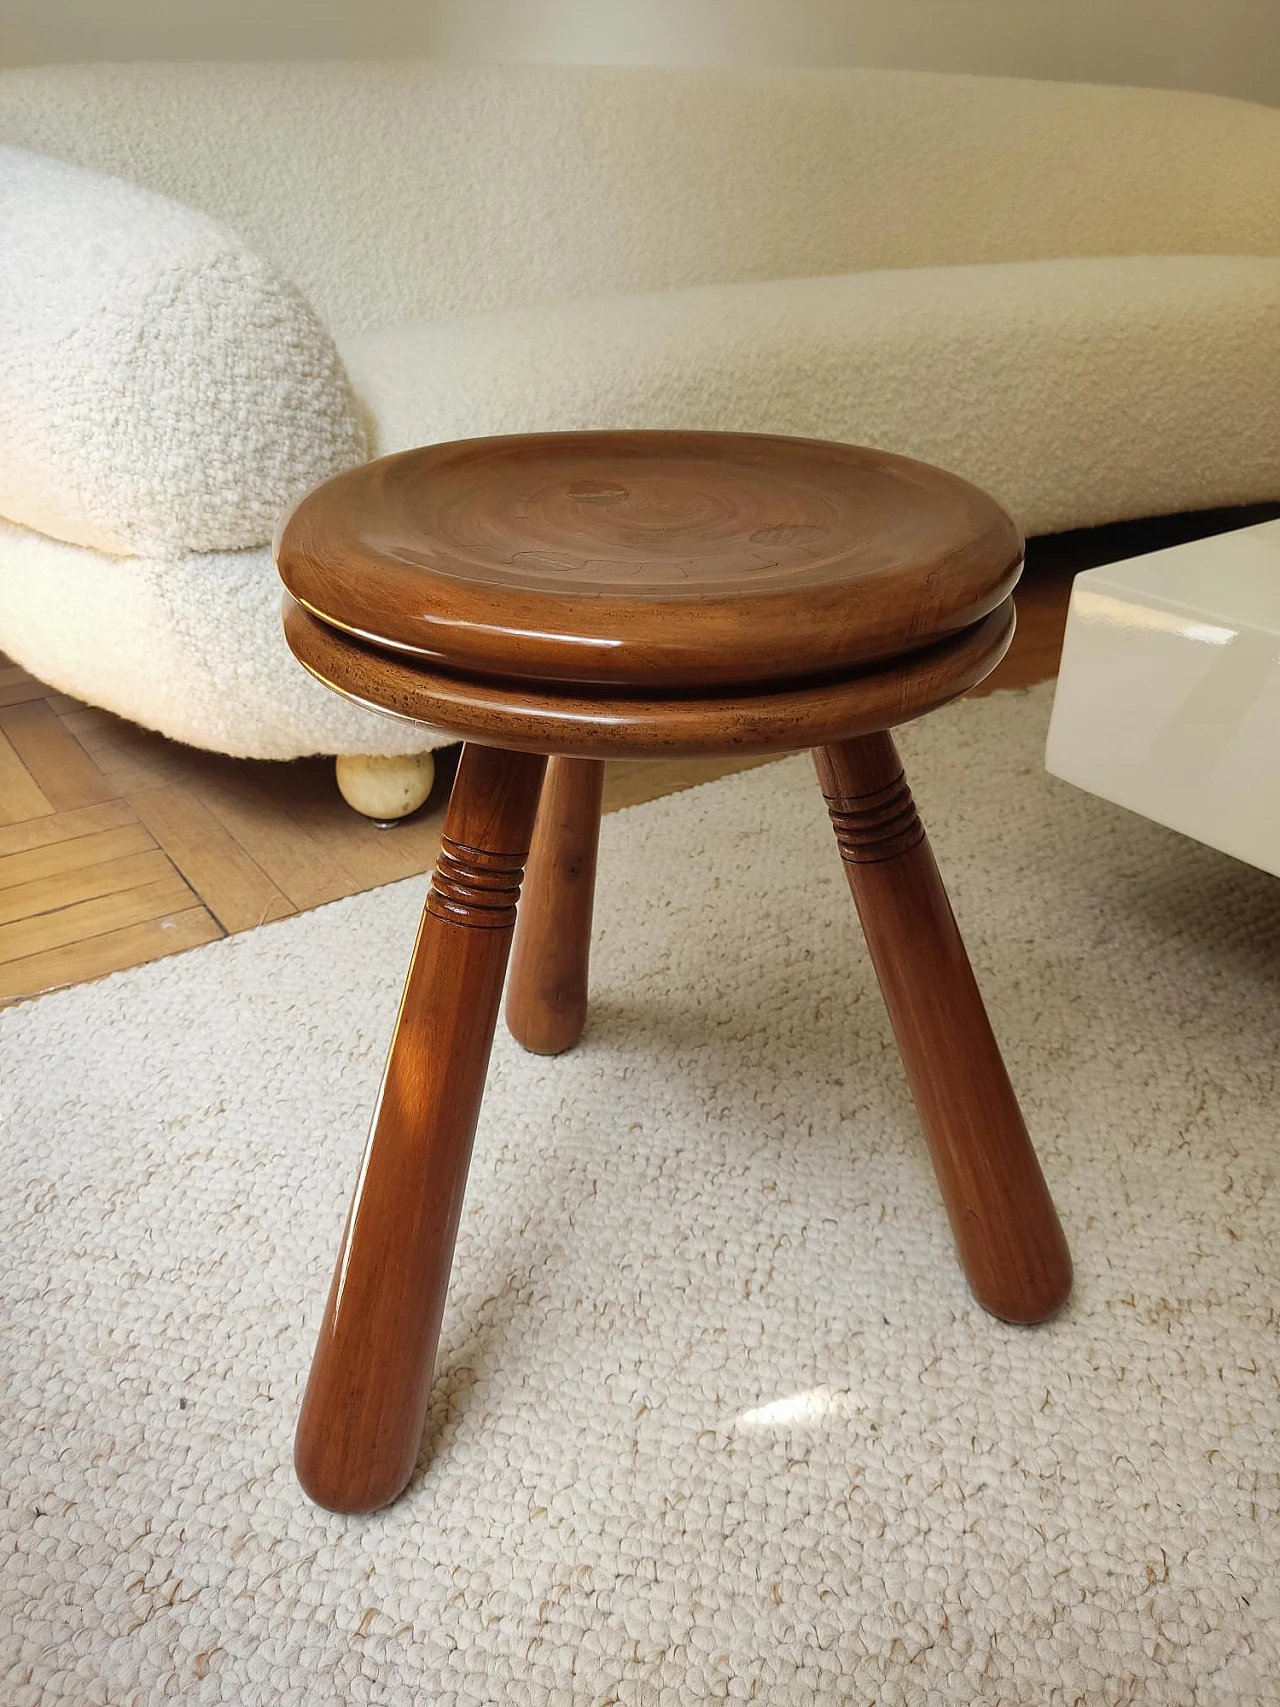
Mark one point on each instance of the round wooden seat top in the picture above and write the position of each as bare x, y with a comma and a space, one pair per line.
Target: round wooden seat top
648, 560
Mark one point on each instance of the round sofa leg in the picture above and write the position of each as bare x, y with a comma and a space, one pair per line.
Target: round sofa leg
385, 789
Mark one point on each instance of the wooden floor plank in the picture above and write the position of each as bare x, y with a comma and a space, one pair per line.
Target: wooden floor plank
84, 919
21, 797
234, 887
47, 893
129, 757
15, 680
112, 951
73, 854
64, 826
84, 717
63, 771
256, 817
125, 774
372, 856
19, 692
306, 794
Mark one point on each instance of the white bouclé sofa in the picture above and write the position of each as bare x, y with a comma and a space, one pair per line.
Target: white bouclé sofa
1069, 294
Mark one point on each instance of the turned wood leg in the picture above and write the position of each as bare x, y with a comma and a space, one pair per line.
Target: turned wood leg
1005, 1225
366, 1401
547, 995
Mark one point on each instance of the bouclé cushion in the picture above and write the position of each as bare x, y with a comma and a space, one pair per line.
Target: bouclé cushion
161, 387
1076, 391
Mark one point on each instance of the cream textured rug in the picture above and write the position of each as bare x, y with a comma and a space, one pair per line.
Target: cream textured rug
715, 1417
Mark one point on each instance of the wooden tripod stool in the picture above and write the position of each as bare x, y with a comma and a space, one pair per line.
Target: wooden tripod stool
589, 594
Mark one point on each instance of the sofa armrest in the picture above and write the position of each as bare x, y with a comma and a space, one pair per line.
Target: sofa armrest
161, 386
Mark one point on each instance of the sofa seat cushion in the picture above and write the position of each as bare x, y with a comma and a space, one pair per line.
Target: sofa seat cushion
162, 388
1075, 391
189, 644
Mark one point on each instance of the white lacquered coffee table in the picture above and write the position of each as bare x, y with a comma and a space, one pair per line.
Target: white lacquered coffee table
1168, 698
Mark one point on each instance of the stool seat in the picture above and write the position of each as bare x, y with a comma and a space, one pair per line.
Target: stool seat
592, 721
648, 560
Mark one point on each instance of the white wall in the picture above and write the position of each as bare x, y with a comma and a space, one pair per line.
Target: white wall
1232, 46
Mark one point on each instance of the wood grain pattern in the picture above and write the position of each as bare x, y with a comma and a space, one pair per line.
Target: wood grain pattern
547, 990
369, 855
648, 561
65, 773
236, 890
72, 853
21, 796
63, 826
366, 1400
114, 910
47, 893
1006, 1230
298, 864
597, 726
129, 756
111, 951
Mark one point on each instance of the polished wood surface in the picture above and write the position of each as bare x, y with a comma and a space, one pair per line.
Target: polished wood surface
480, 537
366, 1401
547, 990
1006, 1230
648, 560
536, 720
